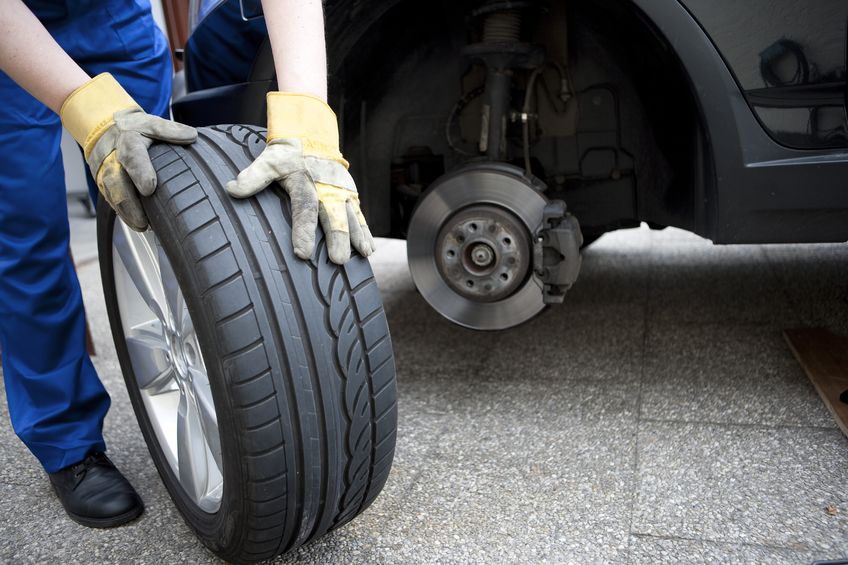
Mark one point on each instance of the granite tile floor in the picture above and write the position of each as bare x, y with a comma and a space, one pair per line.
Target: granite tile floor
656, 417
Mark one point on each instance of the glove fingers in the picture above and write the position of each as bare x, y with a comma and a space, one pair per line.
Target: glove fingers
361, 219
333, 216
155, 127
118, 191
132, 154
304, 205
358, 239
254, 178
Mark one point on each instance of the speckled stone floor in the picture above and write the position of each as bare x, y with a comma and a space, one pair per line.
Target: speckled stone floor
656, 417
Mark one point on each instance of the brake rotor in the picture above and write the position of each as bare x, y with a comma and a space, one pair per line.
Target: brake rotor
470, 246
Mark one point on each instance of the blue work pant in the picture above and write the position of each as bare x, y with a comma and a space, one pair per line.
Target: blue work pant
56, 401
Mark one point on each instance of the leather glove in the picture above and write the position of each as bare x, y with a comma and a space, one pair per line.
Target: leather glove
115, 134
303, 156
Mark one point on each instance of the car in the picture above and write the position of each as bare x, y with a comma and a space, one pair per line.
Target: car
498, 137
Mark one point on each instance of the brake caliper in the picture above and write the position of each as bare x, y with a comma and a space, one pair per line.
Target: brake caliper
556, 251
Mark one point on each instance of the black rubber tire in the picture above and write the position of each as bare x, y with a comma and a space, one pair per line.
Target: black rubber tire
298, 354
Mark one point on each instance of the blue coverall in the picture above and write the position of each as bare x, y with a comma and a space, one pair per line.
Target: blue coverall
56, 401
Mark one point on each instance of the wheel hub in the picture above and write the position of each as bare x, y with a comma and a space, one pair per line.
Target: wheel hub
482, 253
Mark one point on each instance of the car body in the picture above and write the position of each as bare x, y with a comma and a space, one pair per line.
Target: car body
724, 118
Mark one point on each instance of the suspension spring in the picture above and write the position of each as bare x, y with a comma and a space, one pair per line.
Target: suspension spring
502, 27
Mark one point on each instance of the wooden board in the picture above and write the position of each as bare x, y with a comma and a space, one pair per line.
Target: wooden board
824, 357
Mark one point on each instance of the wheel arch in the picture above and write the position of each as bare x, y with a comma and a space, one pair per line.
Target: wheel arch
685, 193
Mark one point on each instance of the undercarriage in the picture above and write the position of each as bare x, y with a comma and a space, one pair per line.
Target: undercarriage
500, 150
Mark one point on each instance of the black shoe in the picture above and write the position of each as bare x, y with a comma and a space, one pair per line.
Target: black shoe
95, 494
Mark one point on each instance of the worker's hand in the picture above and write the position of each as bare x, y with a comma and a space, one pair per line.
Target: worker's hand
115, 134
303, 156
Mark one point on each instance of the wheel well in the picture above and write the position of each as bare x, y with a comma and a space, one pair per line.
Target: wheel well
673, 189
397, 83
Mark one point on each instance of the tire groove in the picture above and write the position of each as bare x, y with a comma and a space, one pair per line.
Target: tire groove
238, 275
254, 378
377, 343
329, 300
190, 206
243, 349
293, 403
169, 151
230, 317
291, 397
266, 501
383, 387
226, 245
372, 402
272, 478
313, 371
363, 284
204, 225
267, 451
267, 424
388, 409
380, 461
172, 177
253, 403
380, 366
373, 315
384, 440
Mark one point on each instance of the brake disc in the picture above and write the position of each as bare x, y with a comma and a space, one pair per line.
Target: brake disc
470, 246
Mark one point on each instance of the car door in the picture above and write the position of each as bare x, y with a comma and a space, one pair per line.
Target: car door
788, 57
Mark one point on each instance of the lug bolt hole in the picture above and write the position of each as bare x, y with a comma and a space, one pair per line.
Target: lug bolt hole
469, 284
472, 227
504, 277
451, 253
507, 241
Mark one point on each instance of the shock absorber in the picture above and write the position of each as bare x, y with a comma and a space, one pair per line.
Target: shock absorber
502, 51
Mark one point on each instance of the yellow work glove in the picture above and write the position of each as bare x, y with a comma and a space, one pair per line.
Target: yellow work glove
303, 156
115, 134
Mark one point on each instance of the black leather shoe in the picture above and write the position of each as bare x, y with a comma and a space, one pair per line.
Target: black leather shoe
95, 494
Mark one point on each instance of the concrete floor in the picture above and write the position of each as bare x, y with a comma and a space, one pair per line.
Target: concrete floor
656, 417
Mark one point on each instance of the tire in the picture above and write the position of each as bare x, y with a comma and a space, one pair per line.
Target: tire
297, 354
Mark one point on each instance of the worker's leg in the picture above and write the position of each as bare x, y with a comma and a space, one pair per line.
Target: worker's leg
61, 408
56, 402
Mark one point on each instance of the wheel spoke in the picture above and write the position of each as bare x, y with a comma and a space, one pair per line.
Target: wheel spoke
208, 418
150, 360
173, 297
191, 449
142, 265
186, 327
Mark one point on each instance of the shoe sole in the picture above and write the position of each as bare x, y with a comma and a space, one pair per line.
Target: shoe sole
110, 522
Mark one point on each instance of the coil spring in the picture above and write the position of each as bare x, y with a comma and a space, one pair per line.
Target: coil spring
504, 26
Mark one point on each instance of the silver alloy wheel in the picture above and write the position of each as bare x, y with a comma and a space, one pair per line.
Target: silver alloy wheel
167, 363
